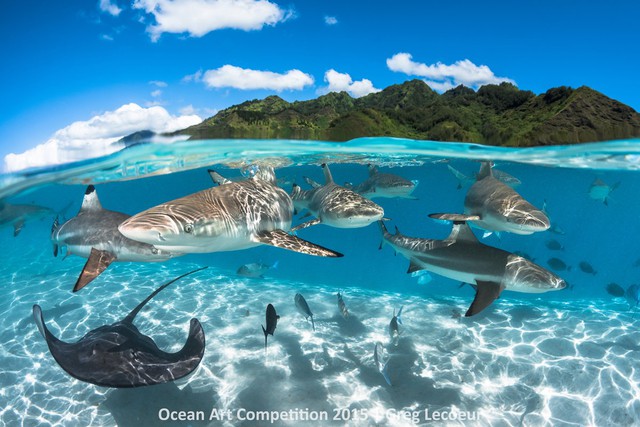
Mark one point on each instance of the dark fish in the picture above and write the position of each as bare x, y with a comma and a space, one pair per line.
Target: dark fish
272, 321
554, 245
557, 264
120, 356
303, 308
587, 268
342, 307
615, 290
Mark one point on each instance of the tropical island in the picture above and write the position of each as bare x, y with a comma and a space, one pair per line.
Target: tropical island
501, 115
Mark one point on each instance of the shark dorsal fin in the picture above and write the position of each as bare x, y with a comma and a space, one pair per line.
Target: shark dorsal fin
90, 201
373, 169
134, 312
485, 170
328, 179
462, 231
266, 173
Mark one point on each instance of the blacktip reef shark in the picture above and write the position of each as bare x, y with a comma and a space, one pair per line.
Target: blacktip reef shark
120, 356
16, 215
492, 205
601, 191
334, 205
463, 258
93, 234
384, 185
231, 216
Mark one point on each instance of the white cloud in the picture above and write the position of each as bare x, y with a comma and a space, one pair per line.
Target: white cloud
339, 82
109, 7
97, 136
330, 20
199, 17
156, 93
158, 83
442, 77
247, 79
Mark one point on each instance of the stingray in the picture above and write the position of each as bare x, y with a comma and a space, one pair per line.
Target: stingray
120, 356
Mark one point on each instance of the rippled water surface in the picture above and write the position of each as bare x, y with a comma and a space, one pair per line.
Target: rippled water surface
561, 358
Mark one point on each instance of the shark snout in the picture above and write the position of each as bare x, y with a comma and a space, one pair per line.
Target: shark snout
154, 229
534, 221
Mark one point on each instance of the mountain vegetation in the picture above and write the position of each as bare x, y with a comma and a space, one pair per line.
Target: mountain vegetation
494, 115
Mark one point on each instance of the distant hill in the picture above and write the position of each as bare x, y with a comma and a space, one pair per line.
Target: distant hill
494, 115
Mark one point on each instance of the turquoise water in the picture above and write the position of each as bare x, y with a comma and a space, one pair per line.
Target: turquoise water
560, 358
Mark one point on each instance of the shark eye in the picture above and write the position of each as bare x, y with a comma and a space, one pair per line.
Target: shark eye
154, 250
188, 228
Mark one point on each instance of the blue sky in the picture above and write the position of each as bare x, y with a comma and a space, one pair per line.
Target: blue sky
82, 61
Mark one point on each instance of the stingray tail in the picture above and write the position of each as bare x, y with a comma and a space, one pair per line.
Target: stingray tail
135, 311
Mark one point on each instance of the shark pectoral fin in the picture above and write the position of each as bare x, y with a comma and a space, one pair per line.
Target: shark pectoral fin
311, 182
486, 293
413, 267
284, 240
98, 262
306, 224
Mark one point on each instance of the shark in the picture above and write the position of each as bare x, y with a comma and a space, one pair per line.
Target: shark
334, 205
17, 214
384, 185
464, 180
231, 216
462, 257
494, 206
93, 234
120, 356
601, 191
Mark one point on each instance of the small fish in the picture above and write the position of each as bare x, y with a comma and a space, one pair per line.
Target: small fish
587, 268
633, 295
557, 264
615, 290
255, 270
381, 359
394, 328
342, 307
303, 308
423, 277
271, 321
554, 245
601, 192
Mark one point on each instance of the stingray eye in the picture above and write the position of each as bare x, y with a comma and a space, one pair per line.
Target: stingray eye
188, 228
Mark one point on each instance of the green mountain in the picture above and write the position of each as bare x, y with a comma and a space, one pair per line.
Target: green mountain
494, 115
